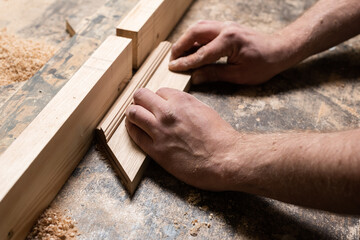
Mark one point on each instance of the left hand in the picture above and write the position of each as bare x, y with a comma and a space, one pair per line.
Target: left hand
185, 136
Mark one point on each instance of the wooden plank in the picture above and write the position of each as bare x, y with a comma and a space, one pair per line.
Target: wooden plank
149, 23
128, 160
26, 100
33, 95
39, 161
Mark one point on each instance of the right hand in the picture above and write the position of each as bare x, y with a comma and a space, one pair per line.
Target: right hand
252, 57
186, 137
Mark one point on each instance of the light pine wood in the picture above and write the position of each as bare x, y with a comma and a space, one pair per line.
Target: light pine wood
37, 164
117, 112
128, 159
149, 23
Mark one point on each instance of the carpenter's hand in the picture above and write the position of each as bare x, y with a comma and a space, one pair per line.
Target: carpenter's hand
252, 57
186, 137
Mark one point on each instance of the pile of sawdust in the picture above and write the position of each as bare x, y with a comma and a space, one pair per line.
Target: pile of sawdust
53, 225
20, 59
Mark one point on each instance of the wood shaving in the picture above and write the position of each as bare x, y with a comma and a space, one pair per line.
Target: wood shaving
194, 198
52, 225
20, 59
194, 231
204, 208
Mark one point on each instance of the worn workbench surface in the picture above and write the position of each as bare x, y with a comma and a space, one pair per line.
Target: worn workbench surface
321, 94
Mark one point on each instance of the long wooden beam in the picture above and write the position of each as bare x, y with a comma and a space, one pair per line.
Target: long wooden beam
128, 160
149, 23
37, 164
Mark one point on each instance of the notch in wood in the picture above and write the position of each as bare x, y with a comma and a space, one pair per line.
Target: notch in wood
149, 23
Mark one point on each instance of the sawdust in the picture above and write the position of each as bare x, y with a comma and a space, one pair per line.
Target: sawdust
194, 231
20, 59
52, 224
194, 198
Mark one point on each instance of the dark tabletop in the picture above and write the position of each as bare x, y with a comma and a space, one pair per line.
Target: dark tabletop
320, 94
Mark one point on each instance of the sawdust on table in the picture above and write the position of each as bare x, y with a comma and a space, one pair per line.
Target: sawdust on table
194, 231
52, 224
20, 59
194, 198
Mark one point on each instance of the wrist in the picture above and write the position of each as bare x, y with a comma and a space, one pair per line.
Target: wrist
256, 161
289, 49
247, 161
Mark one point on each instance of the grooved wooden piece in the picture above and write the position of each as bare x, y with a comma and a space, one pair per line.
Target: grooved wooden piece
117, 112
128, 160
37, 164
149, 23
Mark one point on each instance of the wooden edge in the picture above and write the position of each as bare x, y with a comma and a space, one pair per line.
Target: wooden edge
134, 37
117, 167
37, 164
135, 20
149, 23
130, 184
138, 176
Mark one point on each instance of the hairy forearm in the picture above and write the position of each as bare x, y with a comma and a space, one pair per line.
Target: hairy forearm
326, 24
320, 170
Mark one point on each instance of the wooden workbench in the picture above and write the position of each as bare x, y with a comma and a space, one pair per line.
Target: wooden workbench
321, 94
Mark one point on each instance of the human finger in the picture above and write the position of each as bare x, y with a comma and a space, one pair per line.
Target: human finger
207, 54
142, 118
216, 73
149, 100
141, 138
198, 34
167, 93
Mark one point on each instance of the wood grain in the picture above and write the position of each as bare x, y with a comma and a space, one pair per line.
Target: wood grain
149, 23
128, 160
40, 160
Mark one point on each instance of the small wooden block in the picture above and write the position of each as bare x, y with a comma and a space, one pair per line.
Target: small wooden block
149, 23
128, 159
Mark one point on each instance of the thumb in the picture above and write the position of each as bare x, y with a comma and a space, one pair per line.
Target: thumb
207, 54
216, 73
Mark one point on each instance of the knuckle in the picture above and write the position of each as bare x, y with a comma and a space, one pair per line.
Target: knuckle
168, 116
139, 93
230, 32
194, 28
